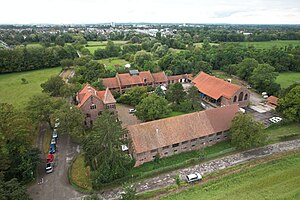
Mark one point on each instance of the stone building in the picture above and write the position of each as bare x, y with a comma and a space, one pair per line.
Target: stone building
221, 92
134, 78
178, 134
92, 102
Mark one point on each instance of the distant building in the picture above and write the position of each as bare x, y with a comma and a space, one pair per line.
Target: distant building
134, 78
221, 92
179, 134
92, 102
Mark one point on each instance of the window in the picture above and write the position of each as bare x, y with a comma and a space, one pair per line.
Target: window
234, 99
241, 96
194, 140
88, 115
175, 150
185, 142
246, 97
153, 151
218, 138
175, 145
219, 133
93, 107
166, 153
210, 140
165, 147
201, 138
193, 145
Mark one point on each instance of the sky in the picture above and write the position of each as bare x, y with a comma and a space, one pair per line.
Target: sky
151, 11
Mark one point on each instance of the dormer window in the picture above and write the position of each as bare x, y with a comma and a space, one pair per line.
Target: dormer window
93, 106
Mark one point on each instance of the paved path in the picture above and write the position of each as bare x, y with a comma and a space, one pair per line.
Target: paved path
55, 186
125, 116
168, 179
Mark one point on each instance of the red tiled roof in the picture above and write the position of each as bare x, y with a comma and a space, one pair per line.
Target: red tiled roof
273, 100
215, 87
110, 82
181, 76
156, 134
160, 77
127, 79
88, 91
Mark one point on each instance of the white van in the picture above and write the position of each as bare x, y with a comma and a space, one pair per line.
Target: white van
193, 177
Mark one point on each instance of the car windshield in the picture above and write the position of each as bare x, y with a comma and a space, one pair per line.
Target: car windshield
48, 165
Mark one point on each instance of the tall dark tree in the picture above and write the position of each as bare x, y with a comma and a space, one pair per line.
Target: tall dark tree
103, 151
175, 93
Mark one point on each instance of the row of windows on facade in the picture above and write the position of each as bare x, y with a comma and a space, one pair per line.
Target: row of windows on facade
193, 141
93, 106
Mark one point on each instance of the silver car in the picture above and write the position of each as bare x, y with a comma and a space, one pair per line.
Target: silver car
49, 167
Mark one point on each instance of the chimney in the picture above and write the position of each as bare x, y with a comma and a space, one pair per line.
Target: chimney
156, 130
89, 88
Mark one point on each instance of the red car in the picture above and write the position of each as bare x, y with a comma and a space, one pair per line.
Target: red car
50, 158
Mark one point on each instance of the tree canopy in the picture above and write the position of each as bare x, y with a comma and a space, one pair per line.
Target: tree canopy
245, 132
152, 107
289, 104
103, 152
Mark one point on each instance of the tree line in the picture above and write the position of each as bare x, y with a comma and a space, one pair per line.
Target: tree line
31, 58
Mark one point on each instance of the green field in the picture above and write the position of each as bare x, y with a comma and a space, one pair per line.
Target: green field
277, 132
200, 44
93, 45
14, 92
111, 62
270, 44
288, 78
279, 179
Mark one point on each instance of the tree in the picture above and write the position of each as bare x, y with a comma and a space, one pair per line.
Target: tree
103, 151
71, 121
40, 107
175, 93
246, 133
12, 189
246, 67
66, 63
263, 78
53, 85
152, 107
68, 90
289, 104
129, 192
159, 91
194, 98
133, 96
141, 56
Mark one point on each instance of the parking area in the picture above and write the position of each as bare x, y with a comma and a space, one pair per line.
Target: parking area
261, 117
126, 117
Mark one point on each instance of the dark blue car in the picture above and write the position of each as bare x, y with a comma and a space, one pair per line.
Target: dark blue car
52, 149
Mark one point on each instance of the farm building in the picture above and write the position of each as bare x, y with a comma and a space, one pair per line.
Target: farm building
221, 92
92, 102
178, 134
122, 82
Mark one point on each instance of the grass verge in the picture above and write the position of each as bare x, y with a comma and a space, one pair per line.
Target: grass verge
79, 175
47, 140
278, 178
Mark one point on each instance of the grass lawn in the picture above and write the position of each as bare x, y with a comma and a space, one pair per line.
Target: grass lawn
288, 78
200, 44
79, 174
270, 44
92, 49
278, 179
173, 114
277, 132
111, 62
14, 92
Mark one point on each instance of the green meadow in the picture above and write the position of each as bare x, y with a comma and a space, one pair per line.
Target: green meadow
288, 78
14, 92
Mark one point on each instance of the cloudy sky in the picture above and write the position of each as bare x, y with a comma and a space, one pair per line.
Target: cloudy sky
165, 11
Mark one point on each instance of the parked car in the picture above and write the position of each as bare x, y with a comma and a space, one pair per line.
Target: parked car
193, 177
54, 133
275, 119
50, 158
53, 141
52, 148
132, 110
49, 167
56, 124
